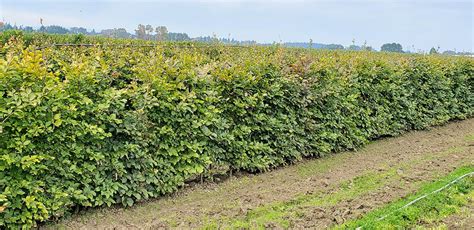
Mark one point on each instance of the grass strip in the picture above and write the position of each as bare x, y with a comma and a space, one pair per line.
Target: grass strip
428, 211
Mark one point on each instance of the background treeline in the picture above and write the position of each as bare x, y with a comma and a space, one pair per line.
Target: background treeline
161, 33
144, 32
103, 125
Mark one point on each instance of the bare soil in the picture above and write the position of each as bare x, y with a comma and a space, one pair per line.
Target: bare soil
398, 165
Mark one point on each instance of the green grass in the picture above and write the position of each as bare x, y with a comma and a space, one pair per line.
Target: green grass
470, 137
427, 211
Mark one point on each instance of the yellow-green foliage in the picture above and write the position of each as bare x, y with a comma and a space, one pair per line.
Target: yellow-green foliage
85, 127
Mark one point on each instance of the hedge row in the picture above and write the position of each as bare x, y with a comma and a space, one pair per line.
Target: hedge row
86, 127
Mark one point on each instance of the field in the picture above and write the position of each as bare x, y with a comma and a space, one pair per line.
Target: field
120, 122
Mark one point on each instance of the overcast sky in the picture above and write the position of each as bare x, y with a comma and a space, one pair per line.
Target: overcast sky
418, 23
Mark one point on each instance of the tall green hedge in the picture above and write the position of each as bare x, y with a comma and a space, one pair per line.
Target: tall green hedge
86, 127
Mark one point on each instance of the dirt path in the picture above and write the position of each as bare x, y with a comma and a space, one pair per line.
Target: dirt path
311, 194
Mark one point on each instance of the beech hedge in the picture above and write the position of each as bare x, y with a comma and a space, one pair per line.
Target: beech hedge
94, 126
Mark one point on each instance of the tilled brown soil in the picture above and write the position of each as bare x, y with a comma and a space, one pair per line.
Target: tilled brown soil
404, 163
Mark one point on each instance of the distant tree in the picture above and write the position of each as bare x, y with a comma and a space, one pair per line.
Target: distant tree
392, 47
78, 30
149, 30
366, 47
115, 33
354, 47
161, 33
55, 30
178, 37
449, 52
7, 26
214, 39
28, 29
433, 51
333, 47
465, 53
310, 43
203, 39
122, 33
359, 48
107, 33
140, 32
